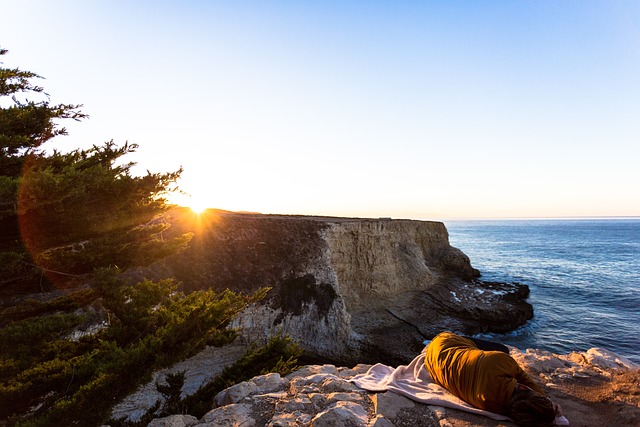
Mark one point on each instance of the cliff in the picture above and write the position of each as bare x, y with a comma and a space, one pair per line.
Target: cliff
594, 388
349, 290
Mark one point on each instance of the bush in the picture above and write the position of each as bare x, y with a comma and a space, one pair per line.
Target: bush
76, 383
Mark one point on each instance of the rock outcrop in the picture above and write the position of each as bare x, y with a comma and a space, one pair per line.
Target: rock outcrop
349, 290
323, 396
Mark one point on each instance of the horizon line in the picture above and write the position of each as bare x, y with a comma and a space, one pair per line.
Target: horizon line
442, 218
540, 218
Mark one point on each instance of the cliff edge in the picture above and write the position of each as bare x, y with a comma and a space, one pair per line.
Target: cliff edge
349, 290
594, 388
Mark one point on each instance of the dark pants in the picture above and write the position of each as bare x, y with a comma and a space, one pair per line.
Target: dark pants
489, 345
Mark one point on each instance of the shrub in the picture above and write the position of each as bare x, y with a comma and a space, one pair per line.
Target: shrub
76, 383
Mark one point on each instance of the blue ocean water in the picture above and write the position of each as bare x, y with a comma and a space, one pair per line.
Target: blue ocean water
584, 277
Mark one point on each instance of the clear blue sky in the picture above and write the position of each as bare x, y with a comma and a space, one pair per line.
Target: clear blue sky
355, 108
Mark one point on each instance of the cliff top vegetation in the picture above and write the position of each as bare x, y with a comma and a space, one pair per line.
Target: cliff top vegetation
75, 334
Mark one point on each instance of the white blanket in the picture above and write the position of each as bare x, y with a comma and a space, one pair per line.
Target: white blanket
414, 382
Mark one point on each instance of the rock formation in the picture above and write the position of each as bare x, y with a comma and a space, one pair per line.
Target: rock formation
349, 290
323, 396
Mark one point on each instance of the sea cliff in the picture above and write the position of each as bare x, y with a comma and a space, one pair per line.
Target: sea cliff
349, 290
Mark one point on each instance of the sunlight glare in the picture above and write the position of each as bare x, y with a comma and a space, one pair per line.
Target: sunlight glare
198, 206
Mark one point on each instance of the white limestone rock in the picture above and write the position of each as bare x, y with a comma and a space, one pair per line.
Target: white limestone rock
174, 421
235, 393
593, 362
380, 421
234, 415
342, 414
390, 404
269, 382
606, 360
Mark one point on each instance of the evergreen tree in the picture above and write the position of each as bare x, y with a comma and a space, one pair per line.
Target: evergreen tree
73, 218
25, 125
84, 210
64, 215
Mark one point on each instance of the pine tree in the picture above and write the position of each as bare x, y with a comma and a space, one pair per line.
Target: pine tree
25, 125
85, 210
66, 214
82, 219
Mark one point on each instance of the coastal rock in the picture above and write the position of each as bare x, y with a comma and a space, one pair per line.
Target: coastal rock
593, 362
348, 290
342, 414
390, 404
174, 421
322, 395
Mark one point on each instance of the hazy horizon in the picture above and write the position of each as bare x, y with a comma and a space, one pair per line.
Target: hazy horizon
461, 219
368, 109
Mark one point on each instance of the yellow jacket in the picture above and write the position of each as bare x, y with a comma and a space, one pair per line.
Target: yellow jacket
485, 379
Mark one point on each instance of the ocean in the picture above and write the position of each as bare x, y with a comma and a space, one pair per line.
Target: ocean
584, 277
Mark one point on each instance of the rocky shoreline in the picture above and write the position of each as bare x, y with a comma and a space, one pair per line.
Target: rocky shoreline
595, 388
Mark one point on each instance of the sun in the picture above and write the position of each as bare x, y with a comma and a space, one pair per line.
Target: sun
198, 206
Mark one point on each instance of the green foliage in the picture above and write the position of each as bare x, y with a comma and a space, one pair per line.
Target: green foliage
153, 326
84, 209
26, 125
280, 355
34, 331
31, 356
171, 393
65, 214
31, 307
8, 196
16, 268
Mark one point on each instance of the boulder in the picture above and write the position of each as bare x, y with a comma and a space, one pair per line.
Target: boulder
389, 404
342, 414
233, 415
174, 421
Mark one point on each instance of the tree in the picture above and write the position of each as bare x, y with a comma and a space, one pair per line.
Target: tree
84, 210
68, 214
82, 218
26, 125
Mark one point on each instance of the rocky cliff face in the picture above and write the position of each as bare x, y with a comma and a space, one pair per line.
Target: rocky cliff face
349, 290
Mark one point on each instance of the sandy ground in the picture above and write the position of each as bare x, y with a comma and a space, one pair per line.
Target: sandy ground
592, 402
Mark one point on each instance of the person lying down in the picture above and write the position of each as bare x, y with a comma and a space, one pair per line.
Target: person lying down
484, 375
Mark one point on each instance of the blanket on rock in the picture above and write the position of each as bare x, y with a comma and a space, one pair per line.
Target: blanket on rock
414, 382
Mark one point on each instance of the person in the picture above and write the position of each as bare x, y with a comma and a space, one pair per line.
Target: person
484, 375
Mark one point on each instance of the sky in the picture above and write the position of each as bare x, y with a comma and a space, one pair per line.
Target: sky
403, 109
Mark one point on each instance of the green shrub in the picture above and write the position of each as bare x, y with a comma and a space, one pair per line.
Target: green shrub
77, 383
171, 393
